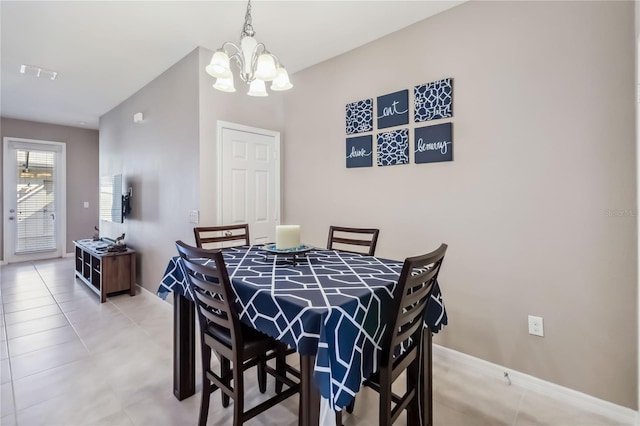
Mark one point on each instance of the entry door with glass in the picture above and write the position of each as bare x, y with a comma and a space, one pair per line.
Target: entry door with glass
34, 207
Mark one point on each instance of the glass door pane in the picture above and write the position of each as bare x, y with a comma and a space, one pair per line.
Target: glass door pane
36, 201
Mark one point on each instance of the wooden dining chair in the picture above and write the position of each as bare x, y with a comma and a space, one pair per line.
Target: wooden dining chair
402, 345
232, 341
217, 235
353, 240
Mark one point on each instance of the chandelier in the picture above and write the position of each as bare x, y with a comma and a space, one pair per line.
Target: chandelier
257, 65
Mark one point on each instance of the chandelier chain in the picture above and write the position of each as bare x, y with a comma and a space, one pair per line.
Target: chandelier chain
247, 29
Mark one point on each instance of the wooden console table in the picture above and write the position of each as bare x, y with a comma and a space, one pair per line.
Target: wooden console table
105, 272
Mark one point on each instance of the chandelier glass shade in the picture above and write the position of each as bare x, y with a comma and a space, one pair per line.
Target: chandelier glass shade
255, 63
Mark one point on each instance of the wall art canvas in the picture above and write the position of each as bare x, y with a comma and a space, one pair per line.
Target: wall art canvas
393, 109
433, 143
359, 116
433, 100
360, 151
393, 147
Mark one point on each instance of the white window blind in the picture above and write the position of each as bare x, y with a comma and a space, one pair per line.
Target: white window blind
36, 188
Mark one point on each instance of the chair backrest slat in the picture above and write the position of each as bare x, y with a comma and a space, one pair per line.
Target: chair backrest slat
206, 235
360, 237
411, 298
211, 287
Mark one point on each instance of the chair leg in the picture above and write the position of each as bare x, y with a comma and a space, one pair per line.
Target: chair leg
238, 392
338, 418
351, 405
225, 369
426, 379
385, 397
262, 375
206, 386
413, 383
281, 369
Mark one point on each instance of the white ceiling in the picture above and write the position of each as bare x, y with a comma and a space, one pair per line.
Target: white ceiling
105, 51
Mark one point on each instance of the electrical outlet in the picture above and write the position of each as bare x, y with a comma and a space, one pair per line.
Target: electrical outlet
536, 326
194, 216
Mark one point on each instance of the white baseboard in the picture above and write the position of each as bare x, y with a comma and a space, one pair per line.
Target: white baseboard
618, 413
69, 254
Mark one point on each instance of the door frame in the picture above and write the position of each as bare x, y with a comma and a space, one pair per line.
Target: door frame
221, 125
61, 198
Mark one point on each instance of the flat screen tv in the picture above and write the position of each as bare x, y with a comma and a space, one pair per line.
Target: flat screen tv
114, 205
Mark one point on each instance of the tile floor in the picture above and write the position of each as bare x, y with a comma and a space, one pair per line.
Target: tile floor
69, 360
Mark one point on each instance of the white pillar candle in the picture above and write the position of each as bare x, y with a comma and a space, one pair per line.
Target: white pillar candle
287, 236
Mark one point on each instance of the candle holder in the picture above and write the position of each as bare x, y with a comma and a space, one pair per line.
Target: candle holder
290, 255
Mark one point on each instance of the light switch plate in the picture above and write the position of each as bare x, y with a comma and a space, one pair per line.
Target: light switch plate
194, 216
536, 326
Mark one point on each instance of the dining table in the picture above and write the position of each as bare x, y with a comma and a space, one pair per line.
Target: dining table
331, 306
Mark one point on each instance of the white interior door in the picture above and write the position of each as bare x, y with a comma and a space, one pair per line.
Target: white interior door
249, 179
34, 199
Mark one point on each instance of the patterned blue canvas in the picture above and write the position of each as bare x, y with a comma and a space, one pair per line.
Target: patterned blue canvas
433, 100
359, 117
393, 109
360, 151
393, 147
433, 143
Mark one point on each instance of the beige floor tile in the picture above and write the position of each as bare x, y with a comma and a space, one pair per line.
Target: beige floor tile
28, 304
8, 420
148, 370
25, 328
65, 287
31, 314
490, 401
66, 379
149, 312
129, 305
74, 294
157, 330
119, 334
4, 349
444, 415
43, 359
5, 371
119, 418
82, 304
25, 295
6, 399
163, 411
22, 287
36, 341
92, 313
55, 277
91, 405
538, 409
10, 277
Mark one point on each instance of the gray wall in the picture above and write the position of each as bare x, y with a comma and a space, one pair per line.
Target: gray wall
82, 171
537, 206
170, 159
158, 159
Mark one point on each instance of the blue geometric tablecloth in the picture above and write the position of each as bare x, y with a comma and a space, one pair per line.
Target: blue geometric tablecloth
330, 304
